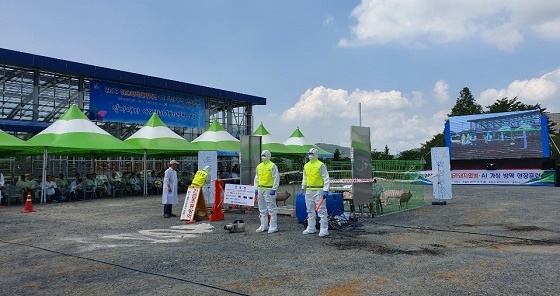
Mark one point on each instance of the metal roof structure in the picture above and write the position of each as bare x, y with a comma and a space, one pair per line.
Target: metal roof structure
531, 117
35, 90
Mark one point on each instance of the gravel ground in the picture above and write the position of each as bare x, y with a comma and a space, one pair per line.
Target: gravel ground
488, 240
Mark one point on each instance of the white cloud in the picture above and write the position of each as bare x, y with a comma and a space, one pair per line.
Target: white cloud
543, 90
548, 29
504, 37
328, 20
325, 115
319, 102
441, 91
416, 99
441, 115
501, 23
322, 102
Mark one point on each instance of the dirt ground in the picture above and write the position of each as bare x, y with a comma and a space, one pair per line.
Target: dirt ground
487, 240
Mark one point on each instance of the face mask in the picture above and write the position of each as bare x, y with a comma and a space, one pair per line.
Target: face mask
263, 158
311, 156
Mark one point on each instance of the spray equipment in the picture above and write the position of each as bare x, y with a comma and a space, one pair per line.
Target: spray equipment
236, 226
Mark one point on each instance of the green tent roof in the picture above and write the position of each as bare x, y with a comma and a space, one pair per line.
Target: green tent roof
10, 145
159, 140
298, 143
216, 138
270, 144
74, 134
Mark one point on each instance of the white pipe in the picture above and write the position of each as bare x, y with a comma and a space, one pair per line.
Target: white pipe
43, 191
360, 112
145, 175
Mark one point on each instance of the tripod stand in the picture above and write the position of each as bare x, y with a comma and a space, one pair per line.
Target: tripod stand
440, 190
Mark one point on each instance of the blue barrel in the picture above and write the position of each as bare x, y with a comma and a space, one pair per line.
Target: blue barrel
335, 204
301, 208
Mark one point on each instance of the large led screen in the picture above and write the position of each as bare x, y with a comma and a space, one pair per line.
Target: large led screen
519, 134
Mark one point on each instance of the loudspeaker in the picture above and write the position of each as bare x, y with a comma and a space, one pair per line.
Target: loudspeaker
548, 164
491, 166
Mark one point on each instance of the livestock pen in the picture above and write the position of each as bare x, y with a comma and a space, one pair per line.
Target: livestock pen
392, 179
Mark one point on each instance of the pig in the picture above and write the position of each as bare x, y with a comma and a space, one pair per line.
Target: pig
402, 195
405, 197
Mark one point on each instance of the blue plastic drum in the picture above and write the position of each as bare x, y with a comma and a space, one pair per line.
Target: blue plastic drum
301, 208
335, 204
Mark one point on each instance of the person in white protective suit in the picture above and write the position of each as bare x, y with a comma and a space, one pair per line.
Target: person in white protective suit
1, 187
315, 185
266, 181
169, 196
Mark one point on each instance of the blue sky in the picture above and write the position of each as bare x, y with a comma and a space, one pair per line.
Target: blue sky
405, 61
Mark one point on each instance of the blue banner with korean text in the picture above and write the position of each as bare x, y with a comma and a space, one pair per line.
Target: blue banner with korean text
113, 102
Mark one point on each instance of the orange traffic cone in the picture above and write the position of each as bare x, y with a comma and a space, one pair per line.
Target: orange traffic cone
28, 204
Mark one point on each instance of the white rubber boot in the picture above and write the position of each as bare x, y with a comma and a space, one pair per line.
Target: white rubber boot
264, 224
310, 226
273, 224
324, 229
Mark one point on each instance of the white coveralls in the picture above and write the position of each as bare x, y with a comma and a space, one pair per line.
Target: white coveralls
312, 199
267, 197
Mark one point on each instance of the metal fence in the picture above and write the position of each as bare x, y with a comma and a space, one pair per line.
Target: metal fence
393, 184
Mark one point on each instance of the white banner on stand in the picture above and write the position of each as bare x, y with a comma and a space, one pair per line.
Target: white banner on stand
236, 194
209, 158
441, 164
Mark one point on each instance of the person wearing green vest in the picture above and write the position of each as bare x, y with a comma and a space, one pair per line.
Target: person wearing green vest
200, 177
315, 185
266, 181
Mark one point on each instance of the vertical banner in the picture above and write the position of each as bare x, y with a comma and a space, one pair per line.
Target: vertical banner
362, 193
250, 156
441, 164
209, 158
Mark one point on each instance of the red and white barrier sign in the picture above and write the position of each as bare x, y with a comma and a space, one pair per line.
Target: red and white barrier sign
189, 207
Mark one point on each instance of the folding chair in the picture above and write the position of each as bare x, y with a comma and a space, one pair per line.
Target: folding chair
91, 191
14, 193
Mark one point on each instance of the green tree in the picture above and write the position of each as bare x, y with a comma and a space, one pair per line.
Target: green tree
336, 154
412, 154
384, 155
466, 104
508, 105
436, 141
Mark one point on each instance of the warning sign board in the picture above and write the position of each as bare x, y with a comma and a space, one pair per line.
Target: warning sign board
194, 207
243, 195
